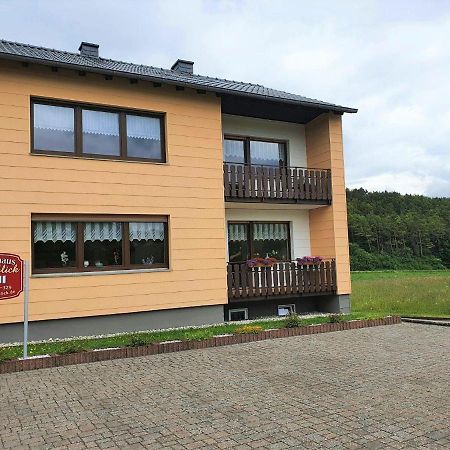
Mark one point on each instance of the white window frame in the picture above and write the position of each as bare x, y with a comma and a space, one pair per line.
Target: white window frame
290, 306
237, 310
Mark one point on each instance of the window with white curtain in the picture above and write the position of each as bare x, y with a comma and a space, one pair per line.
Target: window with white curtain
147, 243
257, 152
258, 240
53, 128
143, 137
267, 153
54, 245
82, 130
233, 151
90, 245
100, 133
102, 244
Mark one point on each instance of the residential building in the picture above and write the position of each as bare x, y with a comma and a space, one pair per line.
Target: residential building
142, 196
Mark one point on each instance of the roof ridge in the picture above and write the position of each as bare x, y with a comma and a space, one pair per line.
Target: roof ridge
40, 47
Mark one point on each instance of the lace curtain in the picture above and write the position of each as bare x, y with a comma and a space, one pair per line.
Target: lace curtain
56, 118
266, 153
233, 151
54, 231
270, 231
261, 232
143, 127
102, 231
237, 232
100, 122
149, 231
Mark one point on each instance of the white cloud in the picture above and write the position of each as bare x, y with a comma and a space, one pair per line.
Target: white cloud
403, 182
389, 59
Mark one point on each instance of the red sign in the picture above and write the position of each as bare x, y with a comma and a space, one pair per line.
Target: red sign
11, 276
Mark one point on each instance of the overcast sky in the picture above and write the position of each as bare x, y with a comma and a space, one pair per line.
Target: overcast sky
390, 59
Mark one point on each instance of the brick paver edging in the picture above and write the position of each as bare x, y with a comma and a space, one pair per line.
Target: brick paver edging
177, 346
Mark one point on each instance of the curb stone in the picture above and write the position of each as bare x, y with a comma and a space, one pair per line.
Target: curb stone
18, 365
440, 323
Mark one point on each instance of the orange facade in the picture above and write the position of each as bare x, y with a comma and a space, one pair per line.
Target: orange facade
187, 188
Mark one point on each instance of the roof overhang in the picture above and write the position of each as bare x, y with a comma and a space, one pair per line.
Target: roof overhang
233, 102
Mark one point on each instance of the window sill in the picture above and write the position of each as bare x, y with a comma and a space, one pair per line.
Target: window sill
99, 158
104, 272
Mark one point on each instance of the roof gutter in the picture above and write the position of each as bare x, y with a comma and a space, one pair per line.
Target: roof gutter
334, 108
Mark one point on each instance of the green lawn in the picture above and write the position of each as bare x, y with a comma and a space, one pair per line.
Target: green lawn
406, 293
146, 338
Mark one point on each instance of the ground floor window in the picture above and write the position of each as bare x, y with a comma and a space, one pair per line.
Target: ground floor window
88, 243
238, 314
258, 239
285, 310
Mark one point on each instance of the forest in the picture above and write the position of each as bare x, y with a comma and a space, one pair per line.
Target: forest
388, 230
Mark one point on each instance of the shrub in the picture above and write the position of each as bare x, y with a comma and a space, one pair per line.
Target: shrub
3, 354
249, 329
292, 321
336, 318
137, 340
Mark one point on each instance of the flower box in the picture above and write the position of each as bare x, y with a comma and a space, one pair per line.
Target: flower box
261, 262
309, 260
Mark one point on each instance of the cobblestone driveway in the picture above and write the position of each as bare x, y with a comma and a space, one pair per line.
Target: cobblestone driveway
383, 387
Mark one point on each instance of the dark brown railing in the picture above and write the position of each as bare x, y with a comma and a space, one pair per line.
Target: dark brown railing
286, 184
282, 279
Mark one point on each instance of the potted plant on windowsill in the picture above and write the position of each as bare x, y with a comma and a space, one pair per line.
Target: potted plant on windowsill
261, 262
309, 260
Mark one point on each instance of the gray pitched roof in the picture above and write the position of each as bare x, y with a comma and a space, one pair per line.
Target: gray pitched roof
58, 58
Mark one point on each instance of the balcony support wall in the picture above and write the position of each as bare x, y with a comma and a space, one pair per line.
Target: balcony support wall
328, 225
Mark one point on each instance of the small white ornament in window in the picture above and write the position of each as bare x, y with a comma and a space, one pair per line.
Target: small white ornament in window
64, 258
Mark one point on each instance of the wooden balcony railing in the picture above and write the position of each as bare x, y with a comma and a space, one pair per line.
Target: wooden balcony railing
243, 182
282, 279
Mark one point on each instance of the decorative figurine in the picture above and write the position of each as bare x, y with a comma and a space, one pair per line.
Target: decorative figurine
64, 258
116, 256
148, 261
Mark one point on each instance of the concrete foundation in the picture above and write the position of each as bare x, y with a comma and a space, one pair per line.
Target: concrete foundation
339, 304
117, 323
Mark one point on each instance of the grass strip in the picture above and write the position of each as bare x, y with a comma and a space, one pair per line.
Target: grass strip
151, 337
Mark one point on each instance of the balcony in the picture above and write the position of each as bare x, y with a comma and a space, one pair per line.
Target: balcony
249, 183
283, 279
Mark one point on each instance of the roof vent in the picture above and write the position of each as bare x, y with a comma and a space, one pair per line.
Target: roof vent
88, 49
183, 66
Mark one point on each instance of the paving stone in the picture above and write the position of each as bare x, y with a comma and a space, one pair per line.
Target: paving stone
381, 387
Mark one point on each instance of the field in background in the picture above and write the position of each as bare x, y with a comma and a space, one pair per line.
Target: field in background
405, 293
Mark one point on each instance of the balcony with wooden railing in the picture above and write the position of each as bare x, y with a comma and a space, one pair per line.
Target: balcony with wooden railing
283, 279
249, 183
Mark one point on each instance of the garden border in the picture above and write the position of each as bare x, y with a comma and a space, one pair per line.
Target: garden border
22, 365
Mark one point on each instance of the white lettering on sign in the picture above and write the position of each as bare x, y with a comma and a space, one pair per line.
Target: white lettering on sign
8, 261
8, 269
2, 279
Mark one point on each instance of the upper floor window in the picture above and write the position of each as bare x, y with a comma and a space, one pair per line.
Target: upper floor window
54, 128
70, 129
258, 152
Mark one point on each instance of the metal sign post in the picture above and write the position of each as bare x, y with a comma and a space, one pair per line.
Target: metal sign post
14, 277
25, 308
